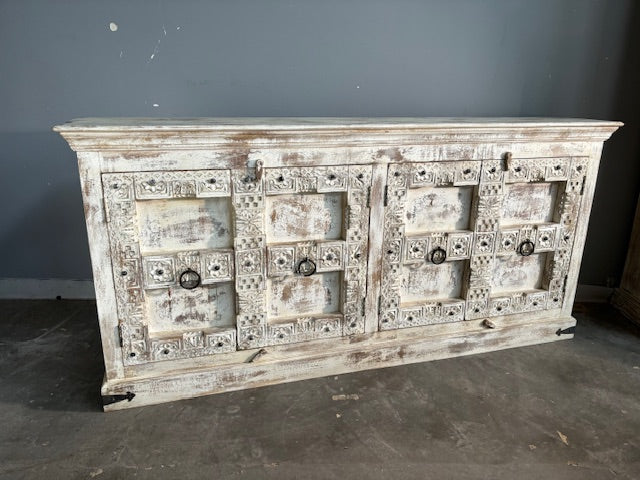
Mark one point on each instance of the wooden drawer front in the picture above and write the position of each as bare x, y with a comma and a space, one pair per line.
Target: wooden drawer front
532, 200
429, 209
162, 224
316, 216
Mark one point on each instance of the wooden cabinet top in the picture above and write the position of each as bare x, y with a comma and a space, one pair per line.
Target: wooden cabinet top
328, 123
121, 134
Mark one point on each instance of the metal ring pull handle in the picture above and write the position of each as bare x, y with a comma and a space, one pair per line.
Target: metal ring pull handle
189, 279
526, 248
306, 267
438, 255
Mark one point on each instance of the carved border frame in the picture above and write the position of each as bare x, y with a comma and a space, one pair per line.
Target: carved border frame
555, 239
132, 273
401, 249
249, 190
487, 239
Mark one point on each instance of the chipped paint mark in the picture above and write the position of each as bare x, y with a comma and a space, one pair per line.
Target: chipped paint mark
177, 28
164, 30
156, 105
113, 27
156, 50
350, 396
121, 53
562, 437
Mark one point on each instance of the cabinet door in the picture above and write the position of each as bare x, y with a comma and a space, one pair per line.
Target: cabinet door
301, 252
469, 240
428, 240
171, 238
526, 216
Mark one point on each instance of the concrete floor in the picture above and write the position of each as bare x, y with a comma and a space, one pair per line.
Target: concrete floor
567, 410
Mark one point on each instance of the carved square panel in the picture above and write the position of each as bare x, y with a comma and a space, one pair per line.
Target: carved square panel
330, 256
281, 260
546, 237
508, 240
217, 266
459, 246
159, 271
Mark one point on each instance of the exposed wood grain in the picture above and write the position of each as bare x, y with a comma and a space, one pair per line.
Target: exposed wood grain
374, 259
88, 165
176, 309
425, 281
528, 203
304, 217
438, 209
184, 224
295, 295
515, 272
580, 235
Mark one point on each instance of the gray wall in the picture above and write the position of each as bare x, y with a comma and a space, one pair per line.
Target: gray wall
60, 60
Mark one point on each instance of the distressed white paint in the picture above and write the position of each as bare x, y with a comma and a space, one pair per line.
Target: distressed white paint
304, 217
529, 203
323, 324
179, 224
438, 209
176, 309
514, 272
426, 281
295, 295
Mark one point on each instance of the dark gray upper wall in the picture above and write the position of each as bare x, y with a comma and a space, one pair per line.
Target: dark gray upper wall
60, 60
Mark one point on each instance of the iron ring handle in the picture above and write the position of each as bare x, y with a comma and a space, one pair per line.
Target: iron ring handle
438, 255
189, 279
526, 248
306, 267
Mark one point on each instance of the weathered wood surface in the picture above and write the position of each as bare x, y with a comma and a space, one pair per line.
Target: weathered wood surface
247, 203
380, 350
627, 297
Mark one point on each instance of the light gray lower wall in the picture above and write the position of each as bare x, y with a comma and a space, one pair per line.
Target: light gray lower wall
35, 288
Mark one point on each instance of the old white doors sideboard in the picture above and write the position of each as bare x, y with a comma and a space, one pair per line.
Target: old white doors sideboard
240, 252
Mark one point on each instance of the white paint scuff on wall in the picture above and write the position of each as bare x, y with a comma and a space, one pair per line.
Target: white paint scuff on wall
113, 26
156, 49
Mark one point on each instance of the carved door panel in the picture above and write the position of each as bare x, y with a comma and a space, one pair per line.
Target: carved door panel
527, 213
171, 240
301, 252
428, 240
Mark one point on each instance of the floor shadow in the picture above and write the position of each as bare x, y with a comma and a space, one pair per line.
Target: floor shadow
51, 355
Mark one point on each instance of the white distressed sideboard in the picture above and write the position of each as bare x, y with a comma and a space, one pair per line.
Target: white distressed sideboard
232, 253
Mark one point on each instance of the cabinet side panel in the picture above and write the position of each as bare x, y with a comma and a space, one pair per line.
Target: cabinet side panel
581, 227
91, 183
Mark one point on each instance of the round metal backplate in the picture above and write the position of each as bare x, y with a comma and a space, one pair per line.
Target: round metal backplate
189, 279
306, 267
438, 255
526, 248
